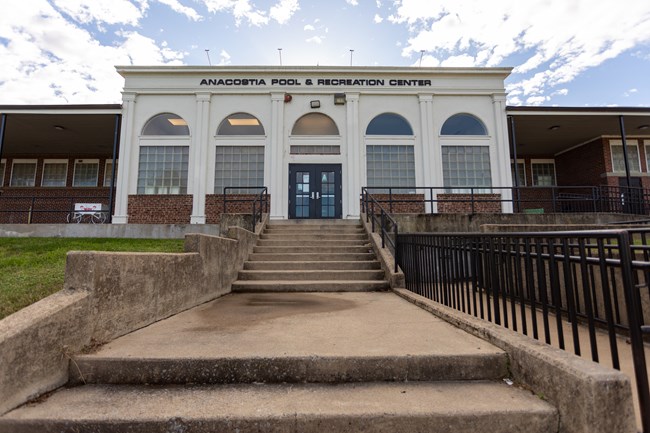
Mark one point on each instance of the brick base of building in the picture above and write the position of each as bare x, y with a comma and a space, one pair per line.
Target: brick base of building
160, 209
236, 204
462, 203
401, 203
46, 205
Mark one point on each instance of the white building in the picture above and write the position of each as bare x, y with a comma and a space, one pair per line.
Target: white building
313, 135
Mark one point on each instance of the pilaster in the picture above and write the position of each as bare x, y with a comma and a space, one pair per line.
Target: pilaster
128, 158
502, 151
354, 160
199, 158
276, 172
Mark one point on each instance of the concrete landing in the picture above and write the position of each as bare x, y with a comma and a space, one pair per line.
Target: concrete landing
439, 407
295, 337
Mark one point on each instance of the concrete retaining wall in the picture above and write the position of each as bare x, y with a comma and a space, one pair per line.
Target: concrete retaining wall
107, 295
590, 398
443, 223
145, 231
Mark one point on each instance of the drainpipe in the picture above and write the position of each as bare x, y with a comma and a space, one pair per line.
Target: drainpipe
111, 193
3, 124
514, 155
621, 123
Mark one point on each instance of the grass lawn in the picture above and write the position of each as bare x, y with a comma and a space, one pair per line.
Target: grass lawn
33, 268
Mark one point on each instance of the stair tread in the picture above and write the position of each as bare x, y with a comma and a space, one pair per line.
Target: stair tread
423, 406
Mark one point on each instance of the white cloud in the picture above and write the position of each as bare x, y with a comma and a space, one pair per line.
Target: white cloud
378, 2
537, 100
284, 10
224, 58
462, 60
176, 6
558, 40
378, 19
315, 40
309, 28
48, 59
630, 92
352, 2
240, 9
100, 11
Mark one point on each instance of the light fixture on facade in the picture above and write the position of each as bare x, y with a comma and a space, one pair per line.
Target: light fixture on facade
243, 122
642, 127
178, 122
287, 98
339, 99
314, 104
554, 128
59, 127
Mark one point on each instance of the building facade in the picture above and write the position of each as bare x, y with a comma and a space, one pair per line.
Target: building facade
314, 136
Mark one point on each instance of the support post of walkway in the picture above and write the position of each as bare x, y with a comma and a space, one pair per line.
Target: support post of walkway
111, 193
514, 156
621, 122
3, 125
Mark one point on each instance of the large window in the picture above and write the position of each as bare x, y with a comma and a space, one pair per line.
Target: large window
390, 166
389, 124
86, 172
238, 166
163, 169
463, 124
55, 172
240, 124
466, 166
315, 124
543, 172
166, 124
618, 160
23, 172
521, 172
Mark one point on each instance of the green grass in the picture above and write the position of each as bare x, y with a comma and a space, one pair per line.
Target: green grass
33, 268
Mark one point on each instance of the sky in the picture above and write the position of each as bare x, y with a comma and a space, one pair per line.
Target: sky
575, 53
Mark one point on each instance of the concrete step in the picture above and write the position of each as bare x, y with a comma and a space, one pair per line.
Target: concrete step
328, 222
312, 257
241, 286
312, 249
311, 275
313, 236
314, 228
303, 265
290, 241
361, 407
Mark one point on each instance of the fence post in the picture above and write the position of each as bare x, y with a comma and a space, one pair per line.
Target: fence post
381, 228
396, 247
390, 201
471, 192
635, 318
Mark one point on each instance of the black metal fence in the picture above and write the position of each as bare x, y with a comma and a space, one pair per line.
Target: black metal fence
546, 285
532, 199
52, 209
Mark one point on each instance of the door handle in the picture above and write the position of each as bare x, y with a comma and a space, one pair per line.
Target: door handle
317, 195
312, 195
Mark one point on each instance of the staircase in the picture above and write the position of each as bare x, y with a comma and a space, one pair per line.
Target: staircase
312, 256
309, 342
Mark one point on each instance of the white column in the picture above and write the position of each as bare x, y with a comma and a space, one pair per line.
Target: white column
198, 169
276, 172
127, 172
502, 151
425, 148
354, 162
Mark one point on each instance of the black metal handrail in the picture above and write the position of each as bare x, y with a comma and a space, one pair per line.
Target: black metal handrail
369, 206
592, 279
30, 205
602, 198
259, 200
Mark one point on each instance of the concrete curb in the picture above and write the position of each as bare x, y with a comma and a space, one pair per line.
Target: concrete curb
590, 398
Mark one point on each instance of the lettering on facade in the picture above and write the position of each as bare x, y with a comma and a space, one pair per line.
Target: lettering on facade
348, 82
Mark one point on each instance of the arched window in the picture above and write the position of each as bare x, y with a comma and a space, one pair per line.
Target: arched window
389, 124
240, 124
315, 124
166, 124
463, 124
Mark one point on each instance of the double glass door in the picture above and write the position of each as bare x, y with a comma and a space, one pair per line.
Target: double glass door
315, 191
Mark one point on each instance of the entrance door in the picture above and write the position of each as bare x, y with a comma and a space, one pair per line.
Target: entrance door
632, 198
315, 191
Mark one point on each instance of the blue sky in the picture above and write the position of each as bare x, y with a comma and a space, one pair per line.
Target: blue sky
564, 52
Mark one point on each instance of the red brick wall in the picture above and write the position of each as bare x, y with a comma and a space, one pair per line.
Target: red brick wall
584, 165
48, 205
214, 206
160, 209
413, 203
461, 203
